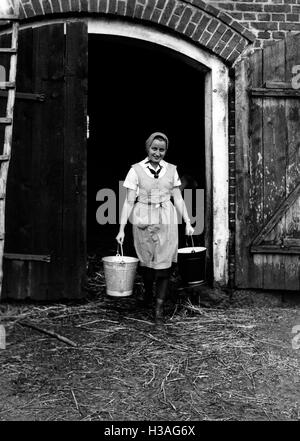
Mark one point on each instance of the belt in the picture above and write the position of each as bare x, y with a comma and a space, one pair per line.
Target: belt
153, 203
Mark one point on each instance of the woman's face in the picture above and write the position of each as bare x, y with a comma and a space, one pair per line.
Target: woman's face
157, 151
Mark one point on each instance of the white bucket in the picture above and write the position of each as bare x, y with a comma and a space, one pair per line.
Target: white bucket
119, 274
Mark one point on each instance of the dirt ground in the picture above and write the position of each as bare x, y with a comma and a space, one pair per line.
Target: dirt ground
219, 356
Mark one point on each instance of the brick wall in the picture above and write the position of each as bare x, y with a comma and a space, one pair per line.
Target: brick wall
193, 19
268, 20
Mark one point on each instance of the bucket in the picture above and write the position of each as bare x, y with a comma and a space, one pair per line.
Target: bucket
192, 264
119, 272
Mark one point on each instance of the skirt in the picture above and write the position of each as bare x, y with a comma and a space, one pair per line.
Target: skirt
156, 244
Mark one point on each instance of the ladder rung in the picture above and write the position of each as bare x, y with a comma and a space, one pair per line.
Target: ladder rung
4, 158
25, 96
9, 17
9, 50
5, 120
7, 84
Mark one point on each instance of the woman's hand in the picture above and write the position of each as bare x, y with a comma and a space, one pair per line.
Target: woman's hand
120, 237
189, 230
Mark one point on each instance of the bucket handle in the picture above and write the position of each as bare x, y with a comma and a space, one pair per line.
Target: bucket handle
118, 254
193, 246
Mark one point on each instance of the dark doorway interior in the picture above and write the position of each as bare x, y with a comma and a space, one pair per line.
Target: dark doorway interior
135, 89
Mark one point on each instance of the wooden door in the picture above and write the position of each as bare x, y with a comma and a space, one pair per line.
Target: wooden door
268, 168
46, 194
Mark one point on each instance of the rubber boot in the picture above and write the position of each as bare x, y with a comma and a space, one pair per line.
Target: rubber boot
162, 284
148, 280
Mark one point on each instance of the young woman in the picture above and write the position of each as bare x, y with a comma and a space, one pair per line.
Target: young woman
150, 185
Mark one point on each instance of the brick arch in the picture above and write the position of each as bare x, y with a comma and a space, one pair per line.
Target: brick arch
194, 19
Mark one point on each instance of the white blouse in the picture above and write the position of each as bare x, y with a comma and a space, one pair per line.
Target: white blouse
131, 180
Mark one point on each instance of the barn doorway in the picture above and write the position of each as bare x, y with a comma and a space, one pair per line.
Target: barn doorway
136, 88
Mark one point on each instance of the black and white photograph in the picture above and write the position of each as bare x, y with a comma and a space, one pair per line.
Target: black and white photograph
150, 214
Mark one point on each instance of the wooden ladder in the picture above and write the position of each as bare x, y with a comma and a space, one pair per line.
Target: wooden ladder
10, 86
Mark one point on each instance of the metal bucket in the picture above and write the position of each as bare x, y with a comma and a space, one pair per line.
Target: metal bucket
119, 272
192, 264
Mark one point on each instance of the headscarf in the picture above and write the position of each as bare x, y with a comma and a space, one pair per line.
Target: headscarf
156, 135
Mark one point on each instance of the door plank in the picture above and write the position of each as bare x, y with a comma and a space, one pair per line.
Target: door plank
274, 271
19, 204
256, 175
47, 155
242, 79
74, 213
292, 272
274, 62
274, 140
